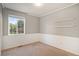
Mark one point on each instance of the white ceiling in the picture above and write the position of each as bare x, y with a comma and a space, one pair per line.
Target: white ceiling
38, 11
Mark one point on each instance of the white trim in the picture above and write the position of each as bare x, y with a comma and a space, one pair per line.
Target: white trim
71, 51
17, 40
59, 41
44, 38
23, 18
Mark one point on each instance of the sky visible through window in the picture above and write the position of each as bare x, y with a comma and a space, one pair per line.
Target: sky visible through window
13, 20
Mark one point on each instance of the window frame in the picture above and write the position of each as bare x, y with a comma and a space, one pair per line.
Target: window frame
23, 18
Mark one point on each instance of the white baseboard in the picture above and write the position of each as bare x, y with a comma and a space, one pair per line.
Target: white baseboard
17, 40
60, 42
73, 52
70, 44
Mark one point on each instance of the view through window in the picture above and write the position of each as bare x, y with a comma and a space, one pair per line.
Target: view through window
16, 25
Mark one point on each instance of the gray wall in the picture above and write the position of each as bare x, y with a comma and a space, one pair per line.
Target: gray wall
31, 22
0, 19
0, 26
64, 22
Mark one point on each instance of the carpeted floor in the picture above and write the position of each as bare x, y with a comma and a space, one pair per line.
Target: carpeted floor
36, 49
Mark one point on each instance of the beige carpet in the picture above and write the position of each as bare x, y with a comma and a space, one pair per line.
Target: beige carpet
36, 49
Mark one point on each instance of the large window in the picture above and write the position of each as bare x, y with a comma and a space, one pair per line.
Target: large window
16, 25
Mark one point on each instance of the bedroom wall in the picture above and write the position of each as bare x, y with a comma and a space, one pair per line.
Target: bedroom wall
32, 26
61, 28
31, 22
64, 22
0, 26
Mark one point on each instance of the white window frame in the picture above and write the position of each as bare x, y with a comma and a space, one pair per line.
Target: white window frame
9, 24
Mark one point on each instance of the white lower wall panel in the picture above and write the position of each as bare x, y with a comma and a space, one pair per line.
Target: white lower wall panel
17, 40
0, 45
70, 44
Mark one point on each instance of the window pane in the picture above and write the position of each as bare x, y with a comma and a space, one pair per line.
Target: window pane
12, 25
20, 26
